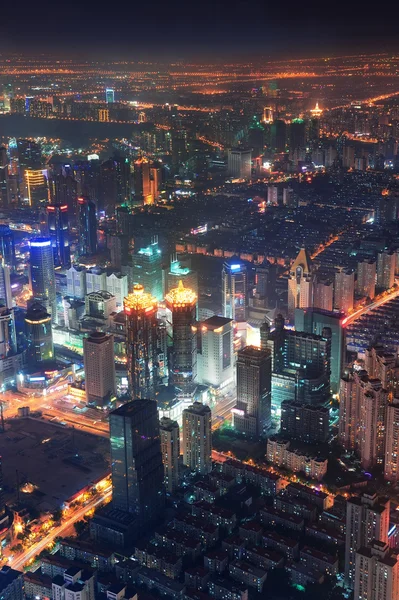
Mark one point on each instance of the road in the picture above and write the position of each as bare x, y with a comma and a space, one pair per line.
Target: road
21, 559
365, 309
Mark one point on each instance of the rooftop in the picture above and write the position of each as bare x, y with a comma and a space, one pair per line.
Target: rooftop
181, 296
139, 300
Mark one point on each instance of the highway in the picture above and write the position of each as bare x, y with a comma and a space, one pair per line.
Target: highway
365, 309
21, 559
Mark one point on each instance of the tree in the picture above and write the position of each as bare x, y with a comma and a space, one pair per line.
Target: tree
80, 526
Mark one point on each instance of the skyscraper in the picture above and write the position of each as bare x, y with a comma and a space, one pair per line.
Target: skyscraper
141, 343
362, 411
147, 269
99, 364
177, 272
4, 176
58, 227
323, 294
197, 438
7, 248
297, 134
315, 321
182, 302
239, 163
136, 459
8, 340
300, 283
234, 291
367, 519
87, 226
385, 270
170, 445
376, 572
252, 415
29, 154
215, 352
76, 282
366, 274
39, 334
5, 287
109, 95
391, 463
42, 274
344, 290
36, 187
143, 190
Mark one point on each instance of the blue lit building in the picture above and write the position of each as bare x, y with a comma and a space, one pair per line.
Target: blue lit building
42, 275
58, 227
235, 290
109, 95
147, 269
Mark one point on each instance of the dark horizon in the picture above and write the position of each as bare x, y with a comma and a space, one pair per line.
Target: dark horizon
179, 31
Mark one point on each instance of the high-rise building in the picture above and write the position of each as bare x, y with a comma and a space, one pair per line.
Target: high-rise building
117, 285
4, 177
265, 280
76, 282
109, 95
143, 189
147, 269
29, 154
239, 163
141, 343
376, 572
366, 276
300, 283
323, 295
99, 364
7, 248
58, 228
216, 352
100, 305
382, 365
11, 584
39, 334
36, 187
170, 446
307, 423
63, 190
234, 291
297, 134
362, 411
108, 196
87, 226
5, 287
252, 415
391, 464
136, 459
182, 302
96, 280
367, 519
42, 276
8, 340
279, 135
315, 321
179, 271
385, 270
197, 438
344, 290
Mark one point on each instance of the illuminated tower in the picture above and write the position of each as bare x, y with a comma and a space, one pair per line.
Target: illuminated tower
147, 269
58, 227
142, 181
141, 345
87, 226
36, 188
183, 304
42, 274
7, 247
39, 334
234, 291
109, 95
300, 283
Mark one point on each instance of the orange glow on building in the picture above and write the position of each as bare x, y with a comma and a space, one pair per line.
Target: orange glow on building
181, 296
139, 300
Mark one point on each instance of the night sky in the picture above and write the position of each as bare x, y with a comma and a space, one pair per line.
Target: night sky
187, 29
